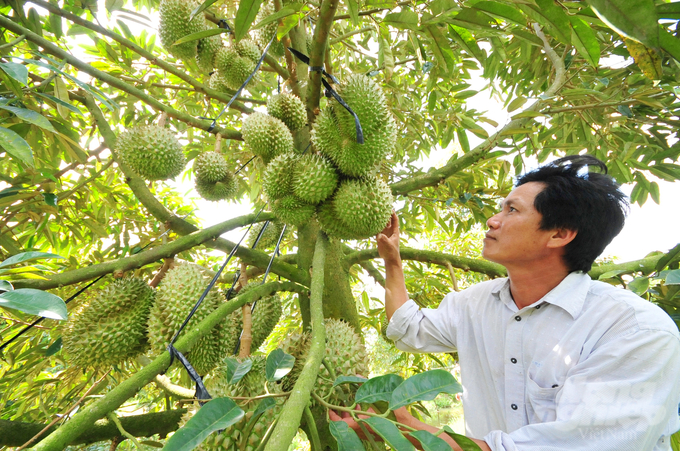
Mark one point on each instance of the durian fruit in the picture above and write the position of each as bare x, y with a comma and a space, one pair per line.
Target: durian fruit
112, 327
218, 83
325, 135
278, 176
269, 237
364, 206
151, 151
265, 33
331, 223
248, 49
345, 353
292, 210
233, 68
266, 136
177, 294
210, 167
175, 24
314, 178
207, 49
236, 437
289, 108
225, 188
367, 100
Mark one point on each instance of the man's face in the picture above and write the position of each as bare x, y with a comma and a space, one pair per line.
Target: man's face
514, 237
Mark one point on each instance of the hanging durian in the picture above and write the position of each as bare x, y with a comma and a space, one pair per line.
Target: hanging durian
174, 24
289, 108
278, 176
314, 178
151, 151
207, 51
292, 211
210, 167
266, 136
363, 206
269, 237
234, 69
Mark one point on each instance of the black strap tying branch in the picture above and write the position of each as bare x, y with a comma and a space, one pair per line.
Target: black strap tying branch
331, 92
224, 24
244, 165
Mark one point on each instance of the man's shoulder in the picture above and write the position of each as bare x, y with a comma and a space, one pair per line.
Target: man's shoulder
483, 289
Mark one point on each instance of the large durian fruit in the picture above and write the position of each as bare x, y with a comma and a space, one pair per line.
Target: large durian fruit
345, 353
177, 294
289, 108
151, 151
278, 176
235, 63
266, 136
175, 24
237, 437
334, 132
214, 181
314, 178
293, 211
112, 327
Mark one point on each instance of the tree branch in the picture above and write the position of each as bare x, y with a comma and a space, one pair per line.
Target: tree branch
116, 82
85, 419
319, 42
372, 11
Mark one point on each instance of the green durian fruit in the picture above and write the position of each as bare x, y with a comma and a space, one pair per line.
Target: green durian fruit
363, 206
269, 237
210, 167
112, 327
151, 151
331, 224
266, 136
292, 210
175, 24
248, 49
233, 69
359, 160
325, 135
367, 100
177, 294
218, 83
206, 51
314, 178
278, 176
289, 108
226, 188
265, 33
345, 353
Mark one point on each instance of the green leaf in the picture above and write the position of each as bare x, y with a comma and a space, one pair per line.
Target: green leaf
635, 19
639, 285
465, 443
278, 365
349, 380
347, 439
584, 39
552, 16
404, 20
18, 72
30, 116
673, 277
390, 433
217, 414
247, 10
440, 47
28, 256
34, 302
54, 347
667, 258
200, 8
283, 12
430, 441
50, 199
466, 41
424, 387
610, 274
59, 102
470, 19
263, 406
16, 146
200, 35
236, 370
6, 286
55, 25
353, 9
500, 10
516, 104
288, 24
378, 388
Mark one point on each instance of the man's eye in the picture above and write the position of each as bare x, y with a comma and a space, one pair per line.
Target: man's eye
512, 209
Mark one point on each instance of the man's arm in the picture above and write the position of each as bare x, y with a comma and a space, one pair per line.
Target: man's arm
388, 248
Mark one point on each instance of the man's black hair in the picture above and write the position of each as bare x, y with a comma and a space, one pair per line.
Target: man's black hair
574, 198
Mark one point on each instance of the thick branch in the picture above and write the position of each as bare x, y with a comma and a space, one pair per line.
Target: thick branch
85, 419
289, 418
116, 82
15, 433
645, 265
320, 41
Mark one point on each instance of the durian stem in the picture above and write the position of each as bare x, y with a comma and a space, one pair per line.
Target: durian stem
290, 60
246, 336
167, 264
161, 120
52, 49
86, 418
114, 419
313, 433
291, 414
218, 143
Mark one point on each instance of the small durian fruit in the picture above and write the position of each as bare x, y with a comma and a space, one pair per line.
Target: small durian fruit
151, 151
176, 296
314, 178
292, 210
289, 108
367, 100
218, 83
206, 51
210, 167
112, 327
233, 68
266, 136
363, 206
175, 24
278, 176
269, 237
359, 160
331, 224
225, 188
248, 49
264, 34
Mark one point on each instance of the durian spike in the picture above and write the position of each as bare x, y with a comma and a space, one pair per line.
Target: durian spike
161, 120
168, 263
218, 143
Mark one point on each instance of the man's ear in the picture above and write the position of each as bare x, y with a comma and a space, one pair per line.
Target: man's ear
561, 237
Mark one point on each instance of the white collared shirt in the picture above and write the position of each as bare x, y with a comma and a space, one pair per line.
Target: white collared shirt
588, 367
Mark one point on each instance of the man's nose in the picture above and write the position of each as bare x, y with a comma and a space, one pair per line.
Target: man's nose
493, 222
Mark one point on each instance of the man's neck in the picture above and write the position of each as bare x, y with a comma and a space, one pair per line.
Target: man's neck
528, 285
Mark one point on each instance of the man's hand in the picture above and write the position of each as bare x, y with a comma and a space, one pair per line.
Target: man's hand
388, 242
352, 423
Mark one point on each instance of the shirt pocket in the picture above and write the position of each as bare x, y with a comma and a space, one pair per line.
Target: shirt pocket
540, 402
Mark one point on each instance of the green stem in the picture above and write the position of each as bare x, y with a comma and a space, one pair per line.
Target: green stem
84, 419
11, 44
114, 419
313, 433
316, 57
116, 82
289, 418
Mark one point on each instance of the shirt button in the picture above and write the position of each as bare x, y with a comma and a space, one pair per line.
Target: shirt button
513, 406
538, 307
513, 360
518, 318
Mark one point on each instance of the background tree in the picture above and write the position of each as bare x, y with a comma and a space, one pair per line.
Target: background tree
74, 75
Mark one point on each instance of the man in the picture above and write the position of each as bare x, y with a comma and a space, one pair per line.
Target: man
550, 360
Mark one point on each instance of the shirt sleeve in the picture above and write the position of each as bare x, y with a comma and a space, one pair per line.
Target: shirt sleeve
623, 396
425, 330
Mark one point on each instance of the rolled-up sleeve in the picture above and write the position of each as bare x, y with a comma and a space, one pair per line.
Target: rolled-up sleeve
425, 330
623, 396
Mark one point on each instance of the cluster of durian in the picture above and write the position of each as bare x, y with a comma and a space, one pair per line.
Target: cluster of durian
152, 151
213, 178
234, 64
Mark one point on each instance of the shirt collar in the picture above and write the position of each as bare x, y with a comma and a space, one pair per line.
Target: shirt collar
570, 294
